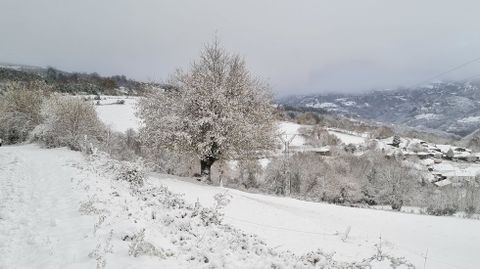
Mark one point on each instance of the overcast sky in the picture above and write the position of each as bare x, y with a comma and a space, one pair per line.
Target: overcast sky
297, 46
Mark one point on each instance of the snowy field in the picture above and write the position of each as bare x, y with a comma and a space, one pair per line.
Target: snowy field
42, 193
118, 117
348, 138
290, 131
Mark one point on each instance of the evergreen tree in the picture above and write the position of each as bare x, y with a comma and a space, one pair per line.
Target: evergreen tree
396, 141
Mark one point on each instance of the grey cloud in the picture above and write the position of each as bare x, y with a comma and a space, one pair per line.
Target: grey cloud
298, 46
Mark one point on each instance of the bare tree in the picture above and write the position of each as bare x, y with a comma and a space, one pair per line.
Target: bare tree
392, 183
216, 110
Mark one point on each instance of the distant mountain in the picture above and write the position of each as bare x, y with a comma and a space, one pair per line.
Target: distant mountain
452, 107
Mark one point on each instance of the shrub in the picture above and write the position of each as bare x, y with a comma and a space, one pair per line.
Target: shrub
122, 146
170, 162
133, 173
470, 210
140, 247
391, 182
249, 172
20, 108
69, 122
15, 127
446, 210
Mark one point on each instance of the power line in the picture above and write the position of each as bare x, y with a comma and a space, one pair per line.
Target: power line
281, 228
470, 77
338, 234
446, 72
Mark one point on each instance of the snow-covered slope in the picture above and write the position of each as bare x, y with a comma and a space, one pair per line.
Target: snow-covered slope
42, 193
301, 226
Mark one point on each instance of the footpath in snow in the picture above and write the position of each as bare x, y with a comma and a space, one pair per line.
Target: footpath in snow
40, 225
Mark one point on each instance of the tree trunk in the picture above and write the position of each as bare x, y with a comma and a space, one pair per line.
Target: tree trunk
397, 205
206, 169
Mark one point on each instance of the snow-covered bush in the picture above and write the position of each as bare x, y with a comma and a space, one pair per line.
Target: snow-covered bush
140, 247
20, 107
101, 250
442, 210
315, 177
122, 146
170, 162
69, 122
276, 176
343, 178
89, 207
249, 172
15, 127
133, 173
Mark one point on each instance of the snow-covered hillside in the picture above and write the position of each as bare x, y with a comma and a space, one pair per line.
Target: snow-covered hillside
452, 107
59, 210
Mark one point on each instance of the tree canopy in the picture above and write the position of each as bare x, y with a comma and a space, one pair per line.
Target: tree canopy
216, 110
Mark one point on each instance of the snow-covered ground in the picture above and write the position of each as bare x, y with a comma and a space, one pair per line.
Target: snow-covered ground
457, 169
60, 210
42, 193
347, 138
301, 226
119, 117
290, 131
40, 225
